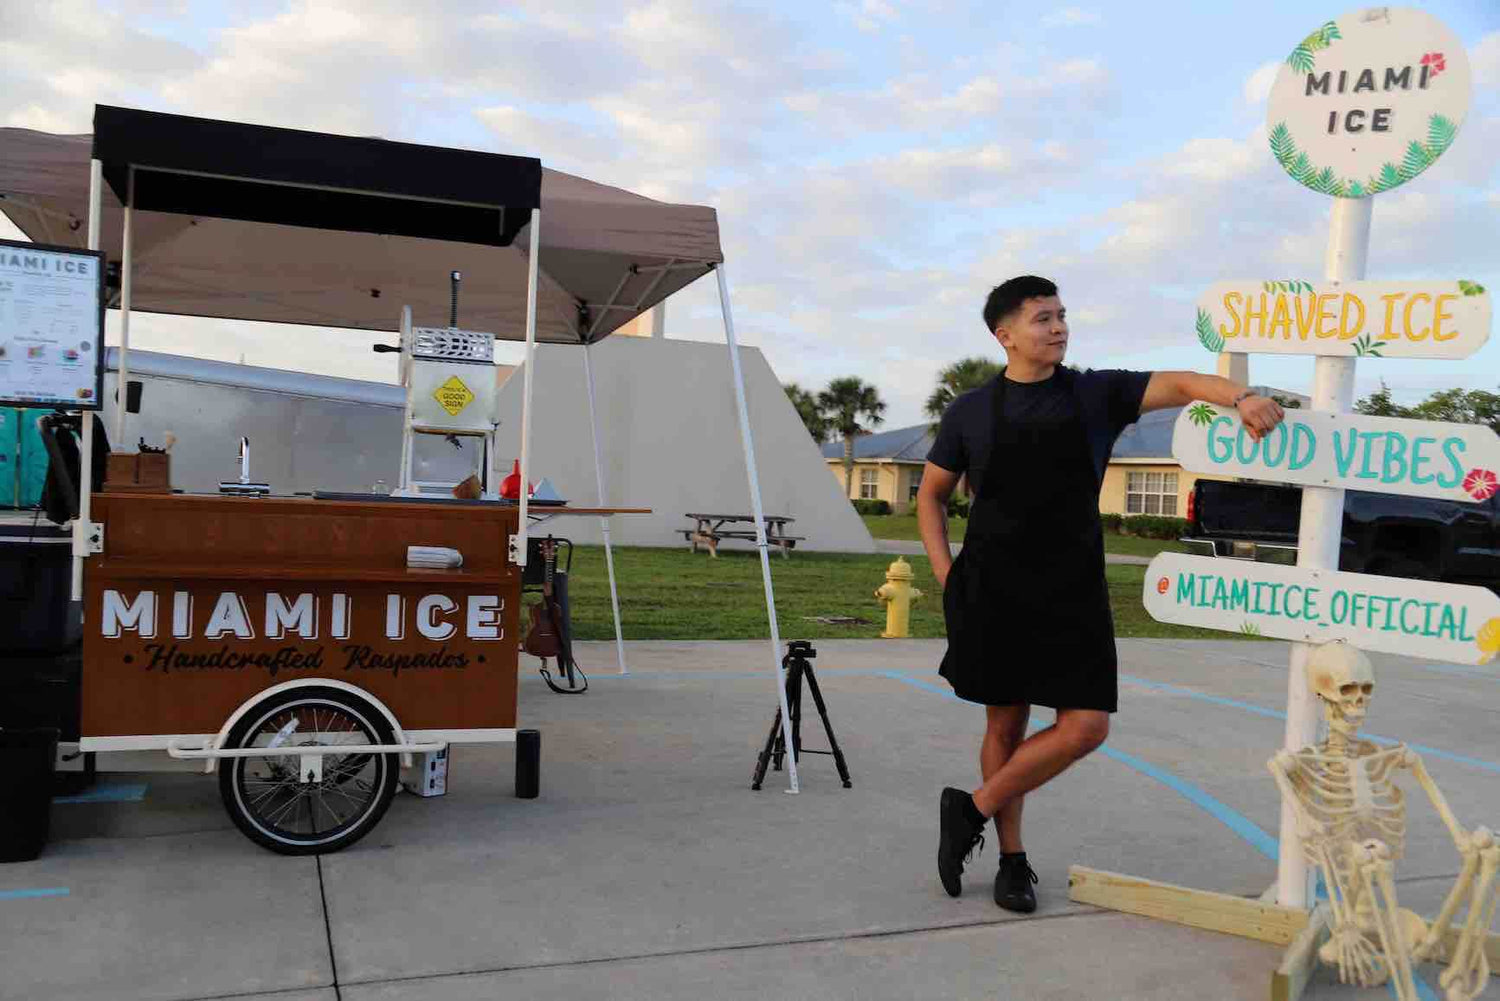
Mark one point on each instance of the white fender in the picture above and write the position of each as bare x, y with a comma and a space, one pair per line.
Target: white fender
259, 697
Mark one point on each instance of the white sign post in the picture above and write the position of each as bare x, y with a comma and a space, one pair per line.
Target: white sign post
1416, 618
1367, 102
1363, 104
1457, 462
1352, 319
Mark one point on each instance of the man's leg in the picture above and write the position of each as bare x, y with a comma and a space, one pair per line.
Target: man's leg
1005, 729
1043, 756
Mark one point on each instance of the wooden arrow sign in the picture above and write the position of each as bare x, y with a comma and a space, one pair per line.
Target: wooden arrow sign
1365, 319
1449, 622
1459, 462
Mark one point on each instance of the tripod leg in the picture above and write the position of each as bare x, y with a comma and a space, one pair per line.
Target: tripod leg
794, 703
833, 743
765, 755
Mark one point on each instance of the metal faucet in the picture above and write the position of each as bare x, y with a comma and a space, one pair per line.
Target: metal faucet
244, 457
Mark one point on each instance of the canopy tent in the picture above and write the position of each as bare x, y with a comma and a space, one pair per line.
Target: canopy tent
235, 221
308, 238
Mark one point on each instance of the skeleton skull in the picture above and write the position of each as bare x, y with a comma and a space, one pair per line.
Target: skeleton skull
1343, 678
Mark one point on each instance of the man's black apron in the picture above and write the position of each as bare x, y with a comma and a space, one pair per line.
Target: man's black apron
1026, 603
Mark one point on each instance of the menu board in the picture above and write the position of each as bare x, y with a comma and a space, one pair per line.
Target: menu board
51, 326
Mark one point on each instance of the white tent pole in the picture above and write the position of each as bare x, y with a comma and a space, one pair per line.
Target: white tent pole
609, 559
1320, 531
518, 544
760, 530
403, 475
122, 377
86, 460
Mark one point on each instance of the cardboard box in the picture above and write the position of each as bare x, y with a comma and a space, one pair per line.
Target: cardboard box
138, 472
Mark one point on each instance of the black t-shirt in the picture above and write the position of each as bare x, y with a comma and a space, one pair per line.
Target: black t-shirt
1110, 400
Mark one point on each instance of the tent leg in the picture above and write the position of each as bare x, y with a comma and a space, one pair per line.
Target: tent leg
609, 559
86, 460
127, 248
403, 473
518, 541
760, 528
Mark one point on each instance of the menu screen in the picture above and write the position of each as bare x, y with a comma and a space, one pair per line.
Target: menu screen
51, 326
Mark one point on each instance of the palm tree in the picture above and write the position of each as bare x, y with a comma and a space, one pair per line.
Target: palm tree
843, 404
960, 377
806, 405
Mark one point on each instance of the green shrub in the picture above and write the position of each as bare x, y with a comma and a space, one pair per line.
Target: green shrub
872, 506
1151, 526
1112, 521
958, 506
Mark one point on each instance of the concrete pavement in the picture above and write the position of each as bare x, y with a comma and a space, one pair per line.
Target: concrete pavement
648, 869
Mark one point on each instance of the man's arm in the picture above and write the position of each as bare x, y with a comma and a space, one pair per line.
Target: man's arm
932, 517
1177, 389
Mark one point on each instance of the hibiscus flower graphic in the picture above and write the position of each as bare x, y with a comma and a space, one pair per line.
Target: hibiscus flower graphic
1481, 484
1435, 60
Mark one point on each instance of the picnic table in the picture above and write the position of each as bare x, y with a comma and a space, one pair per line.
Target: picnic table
709, 529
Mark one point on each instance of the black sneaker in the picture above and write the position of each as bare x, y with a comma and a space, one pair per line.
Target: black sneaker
959, 838
1013, 884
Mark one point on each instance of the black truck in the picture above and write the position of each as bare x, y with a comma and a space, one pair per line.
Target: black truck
1415, 537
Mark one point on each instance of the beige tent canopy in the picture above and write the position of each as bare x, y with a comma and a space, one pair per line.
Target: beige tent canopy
222, 219
606, 254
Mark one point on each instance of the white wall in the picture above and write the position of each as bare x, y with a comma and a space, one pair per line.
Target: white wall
670, 438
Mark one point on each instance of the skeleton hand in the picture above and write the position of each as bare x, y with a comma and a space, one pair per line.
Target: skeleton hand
1359, 962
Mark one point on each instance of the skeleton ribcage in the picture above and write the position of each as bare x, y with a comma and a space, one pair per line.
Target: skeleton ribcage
1355, 799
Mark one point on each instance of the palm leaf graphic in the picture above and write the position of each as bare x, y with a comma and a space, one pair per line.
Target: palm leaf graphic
1207, 335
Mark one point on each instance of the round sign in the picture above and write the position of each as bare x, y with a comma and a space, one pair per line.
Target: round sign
1367, 102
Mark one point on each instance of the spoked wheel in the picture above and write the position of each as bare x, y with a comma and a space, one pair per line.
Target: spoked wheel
273, 804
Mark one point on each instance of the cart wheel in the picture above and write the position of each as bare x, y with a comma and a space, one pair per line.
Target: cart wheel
266, 798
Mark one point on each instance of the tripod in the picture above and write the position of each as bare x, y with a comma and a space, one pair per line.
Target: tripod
796, 664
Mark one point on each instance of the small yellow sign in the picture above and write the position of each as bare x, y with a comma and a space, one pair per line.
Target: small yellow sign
453, 395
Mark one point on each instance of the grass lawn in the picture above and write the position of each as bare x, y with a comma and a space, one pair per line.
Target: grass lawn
674, 594
904, 526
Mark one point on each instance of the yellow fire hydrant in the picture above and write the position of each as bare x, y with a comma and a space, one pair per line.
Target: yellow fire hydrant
898, 594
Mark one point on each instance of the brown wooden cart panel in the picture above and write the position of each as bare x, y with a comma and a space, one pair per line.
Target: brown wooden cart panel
200, 602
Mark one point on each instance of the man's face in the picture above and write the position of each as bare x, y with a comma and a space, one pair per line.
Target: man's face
1036, 333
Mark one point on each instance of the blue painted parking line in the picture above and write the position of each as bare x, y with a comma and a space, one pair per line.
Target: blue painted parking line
1434, 752
1226, 815
51, 891
114, 793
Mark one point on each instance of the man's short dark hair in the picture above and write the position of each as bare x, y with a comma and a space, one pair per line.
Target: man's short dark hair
1007, 297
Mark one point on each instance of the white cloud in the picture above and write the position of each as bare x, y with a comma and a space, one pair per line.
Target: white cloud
1072, 17
1258, 85
1484, 59
866, 202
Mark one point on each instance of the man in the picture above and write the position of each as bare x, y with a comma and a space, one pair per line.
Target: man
1026, 604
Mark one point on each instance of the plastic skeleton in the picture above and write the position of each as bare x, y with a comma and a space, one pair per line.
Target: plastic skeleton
1352, 821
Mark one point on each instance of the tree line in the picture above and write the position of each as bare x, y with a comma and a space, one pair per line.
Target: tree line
849, 407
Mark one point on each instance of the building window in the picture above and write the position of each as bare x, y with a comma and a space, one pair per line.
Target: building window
1150, 493
868, 484
913, 487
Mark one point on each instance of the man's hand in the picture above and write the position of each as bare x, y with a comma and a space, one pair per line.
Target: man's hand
932, 518
1260, 415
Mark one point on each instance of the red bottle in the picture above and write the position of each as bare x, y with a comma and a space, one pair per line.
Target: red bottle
510, 487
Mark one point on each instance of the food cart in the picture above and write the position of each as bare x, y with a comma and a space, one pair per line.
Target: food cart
290, 642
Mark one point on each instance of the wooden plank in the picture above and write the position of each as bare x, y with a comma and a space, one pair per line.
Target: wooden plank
1300, 958
1221, 912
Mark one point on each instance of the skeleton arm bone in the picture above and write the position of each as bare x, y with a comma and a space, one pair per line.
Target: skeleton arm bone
1412, 760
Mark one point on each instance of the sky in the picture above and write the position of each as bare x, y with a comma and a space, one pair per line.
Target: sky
877, 166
